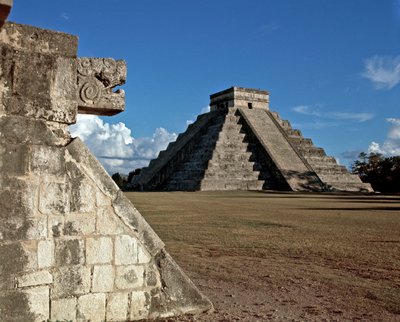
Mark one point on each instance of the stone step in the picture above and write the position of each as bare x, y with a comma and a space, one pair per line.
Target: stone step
303, 142
343, 177
349, 187
211, 185
330, 168
311, 151
223, 156
316, 160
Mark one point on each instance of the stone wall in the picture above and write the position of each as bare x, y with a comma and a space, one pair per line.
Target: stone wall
72, 246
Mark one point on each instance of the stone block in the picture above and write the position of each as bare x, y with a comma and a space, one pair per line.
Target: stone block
99, 250
126, 250
69, 252
39, 303
82, 198
108, 223
47, 160
91, 307
140, 304
39, 99
55, 225
32, 39
37, 227
45, 253
29, 248
129, 277
64, 309
117, 307
143, 255
21, 130
17, 205
70, 281
79, 224
102, 200
35, 279
103, 279
14, 159
14, 306
53, 198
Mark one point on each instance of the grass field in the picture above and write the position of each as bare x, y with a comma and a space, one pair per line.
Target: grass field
263, 256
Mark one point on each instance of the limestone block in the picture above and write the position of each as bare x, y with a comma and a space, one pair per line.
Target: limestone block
21, 130
35, 278
79, 224
152, 276
117, 307
45, 253
103, 279
14, 159
47, 160
129, 277
55, 225
39, 304
91, 307
108, 223
29, 248
102, 200
96, 79
17, 204
143, 255
126, 250
33, 89
15, 259
81, 190
70, 281
99, 250
37, 227
53, 198
140, 304
69, 252
64, 309
32, 39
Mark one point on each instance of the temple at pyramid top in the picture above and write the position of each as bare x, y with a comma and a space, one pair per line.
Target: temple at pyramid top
239, 97
242, 145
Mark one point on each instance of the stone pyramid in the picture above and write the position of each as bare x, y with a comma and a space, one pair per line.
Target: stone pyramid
242, 145
72, 246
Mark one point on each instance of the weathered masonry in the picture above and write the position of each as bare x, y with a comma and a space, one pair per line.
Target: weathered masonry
72, 246
242, 145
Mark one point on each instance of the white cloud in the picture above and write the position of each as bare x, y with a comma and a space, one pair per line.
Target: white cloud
305, 110
114, 145
383, 71
391, 146
344, 116
205, 109
64, 16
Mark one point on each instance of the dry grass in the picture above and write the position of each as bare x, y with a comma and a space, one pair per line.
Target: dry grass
284, 256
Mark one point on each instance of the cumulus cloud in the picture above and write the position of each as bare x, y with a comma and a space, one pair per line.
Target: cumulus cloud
391, 146
383, 71
114, 145
339, 116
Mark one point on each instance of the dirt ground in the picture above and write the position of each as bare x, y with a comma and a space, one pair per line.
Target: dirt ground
264, 256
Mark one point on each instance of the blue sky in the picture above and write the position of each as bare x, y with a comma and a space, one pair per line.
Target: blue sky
332, 67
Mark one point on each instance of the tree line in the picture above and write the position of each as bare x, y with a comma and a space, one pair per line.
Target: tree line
383, 173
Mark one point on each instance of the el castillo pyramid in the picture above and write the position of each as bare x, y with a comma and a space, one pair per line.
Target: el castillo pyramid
72, 246
242, 145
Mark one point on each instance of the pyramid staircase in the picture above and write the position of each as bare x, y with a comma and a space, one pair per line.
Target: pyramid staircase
241, 145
